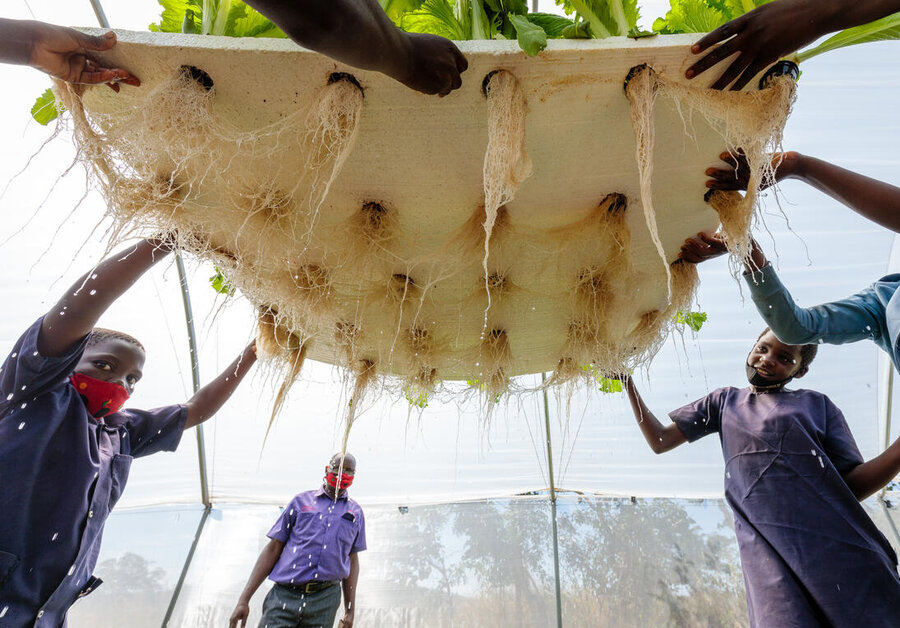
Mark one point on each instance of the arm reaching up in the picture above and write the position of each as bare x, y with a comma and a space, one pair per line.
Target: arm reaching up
359, 33
207, 401
876, 200
79, 309
661, 438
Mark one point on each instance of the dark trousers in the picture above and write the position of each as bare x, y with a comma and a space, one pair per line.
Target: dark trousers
287, 607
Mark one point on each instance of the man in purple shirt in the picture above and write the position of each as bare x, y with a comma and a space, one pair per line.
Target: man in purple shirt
313, 546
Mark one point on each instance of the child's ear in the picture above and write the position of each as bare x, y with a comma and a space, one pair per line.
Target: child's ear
803, 371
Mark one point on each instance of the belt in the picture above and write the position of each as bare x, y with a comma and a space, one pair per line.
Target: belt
312, 586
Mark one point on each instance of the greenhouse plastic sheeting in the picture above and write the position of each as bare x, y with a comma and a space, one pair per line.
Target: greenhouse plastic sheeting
622, 562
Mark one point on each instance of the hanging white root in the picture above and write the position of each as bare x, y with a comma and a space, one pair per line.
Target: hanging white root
506, 161
641, 91
333, 125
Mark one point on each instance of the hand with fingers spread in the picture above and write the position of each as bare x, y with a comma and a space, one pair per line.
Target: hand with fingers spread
61, 52
737, 175
769, 32
702, 247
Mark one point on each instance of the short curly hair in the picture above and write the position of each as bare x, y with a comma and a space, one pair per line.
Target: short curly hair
99, 334
807, 352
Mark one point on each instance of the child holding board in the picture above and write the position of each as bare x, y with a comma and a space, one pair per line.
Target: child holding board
811, 555
65, 445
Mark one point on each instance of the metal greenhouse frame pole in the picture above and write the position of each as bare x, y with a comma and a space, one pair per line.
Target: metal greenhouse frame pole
552, 503
195, 377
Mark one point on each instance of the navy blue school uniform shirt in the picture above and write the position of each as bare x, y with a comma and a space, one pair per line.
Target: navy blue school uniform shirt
811, 555
61, 472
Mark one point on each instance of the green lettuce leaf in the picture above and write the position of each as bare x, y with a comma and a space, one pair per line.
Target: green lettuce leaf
694, 320
396, 8
605, 17
232, 18
220, 284
554, 25
45, 109
702, 16
887, 28
437, 17
172, 16
531, 37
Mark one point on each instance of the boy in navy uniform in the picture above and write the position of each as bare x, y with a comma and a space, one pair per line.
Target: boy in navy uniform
65, 445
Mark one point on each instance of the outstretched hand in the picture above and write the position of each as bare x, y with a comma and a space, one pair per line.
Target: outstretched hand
759, 38
64, 53
436, 65
702, 247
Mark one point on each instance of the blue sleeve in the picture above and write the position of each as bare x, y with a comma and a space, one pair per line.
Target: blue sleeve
858, 317
839, 445
27, 373
281, 531
151, 431
700, 418
359, 543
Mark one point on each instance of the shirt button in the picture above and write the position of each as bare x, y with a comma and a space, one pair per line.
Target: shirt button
90, 514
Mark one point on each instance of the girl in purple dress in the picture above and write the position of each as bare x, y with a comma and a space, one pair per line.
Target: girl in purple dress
793, 477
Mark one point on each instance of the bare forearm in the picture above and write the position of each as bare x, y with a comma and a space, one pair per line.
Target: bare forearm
873, 475
356, 32
16, 39
349, 586
841, 14
876, 200
661, 438
263, 567
78, 311
211, 397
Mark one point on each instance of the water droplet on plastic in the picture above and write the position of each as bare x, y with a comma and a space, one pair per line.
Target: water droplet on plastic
92, 292
21, 425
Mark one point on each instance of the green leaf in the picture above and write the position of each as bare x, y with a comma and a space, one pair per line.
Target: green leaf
45, 109
605, 17
436, 17
637, 33
220, 284
419, 401
172, 17
577, 30
531, 37
887, 28
396, 8
554, 25
702, 16
608, 385
694, 320
245, 21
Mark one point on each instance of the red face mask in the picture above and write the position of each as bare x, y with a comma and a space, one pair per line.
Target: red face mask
331, 480
101, 398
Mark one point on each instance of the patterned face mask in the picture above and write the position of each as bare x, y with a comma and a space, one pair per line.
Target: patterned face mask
331, 480
101, 398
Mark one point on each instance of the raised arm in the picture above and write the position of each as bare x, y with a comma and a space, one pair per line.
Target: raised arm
207, 401
60, 52
874, 474
78, 311
263, 567
348, 585
660, 437
876, 200
773, 30
359, 33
